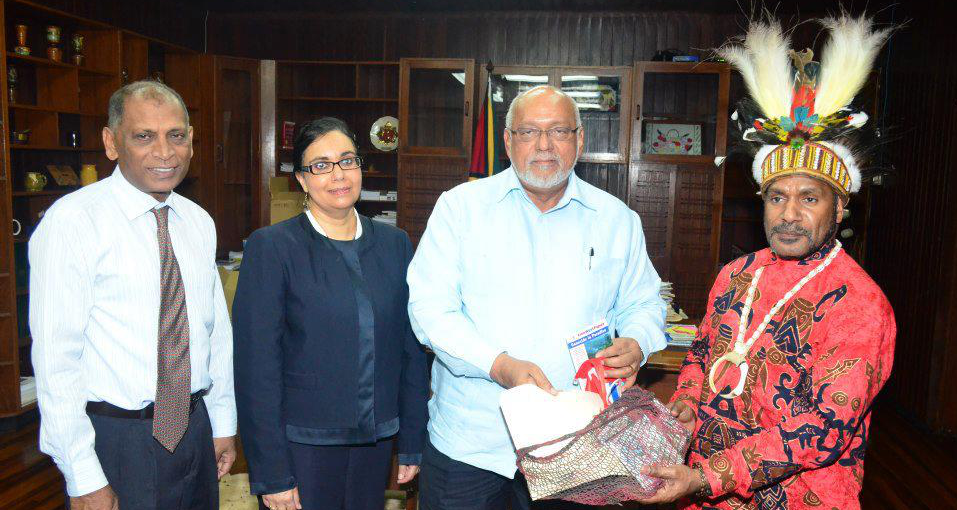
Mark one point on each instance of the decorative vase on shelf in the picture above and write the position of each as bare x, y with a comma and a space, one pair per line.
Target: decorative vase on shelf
12, 77
53, 37
21, 48
88, 174
78, 49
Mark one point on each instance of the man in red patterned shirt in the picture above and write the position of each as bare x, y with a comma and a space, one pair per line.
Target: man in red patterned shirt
797, 339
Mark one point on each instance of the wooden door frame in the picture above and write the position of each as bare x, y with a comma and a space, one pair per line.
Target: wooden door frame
258, 178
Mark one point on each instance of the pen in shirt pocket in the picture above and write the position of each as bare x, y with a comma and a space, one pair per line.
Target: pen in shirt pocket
591, 255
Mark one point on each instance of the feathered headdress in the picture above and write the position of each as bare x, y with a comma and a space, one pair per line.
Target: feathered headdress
799, 118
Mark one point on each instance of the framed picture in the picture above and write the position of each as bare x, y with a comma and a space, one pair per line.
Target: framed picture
683, 139
63, 175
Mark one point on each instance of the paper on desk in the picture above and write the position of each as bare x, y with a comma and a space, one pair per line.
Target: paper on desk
534, 416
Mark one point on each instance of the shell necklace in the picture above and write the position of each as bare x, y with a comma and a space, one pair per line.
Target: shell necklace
737, 356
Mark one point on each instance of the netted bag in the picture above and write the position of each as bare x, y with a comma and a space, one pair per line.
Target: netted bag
601, 464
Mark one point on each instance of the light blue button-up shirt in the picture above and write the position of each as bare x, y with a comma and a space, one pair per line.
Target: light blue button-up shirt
494, 274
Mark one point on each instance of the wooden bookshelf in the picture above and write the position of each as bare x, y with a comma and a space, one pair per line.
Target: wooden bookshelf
54, 99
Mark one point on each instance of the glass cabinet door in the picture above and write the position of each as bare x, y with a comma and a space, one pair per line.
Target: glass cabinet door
682, 110
507, 83
435, 106
603, 100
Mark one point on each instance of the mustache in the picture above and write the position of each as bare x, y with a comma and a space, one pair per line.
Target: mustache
544, 156
790, 229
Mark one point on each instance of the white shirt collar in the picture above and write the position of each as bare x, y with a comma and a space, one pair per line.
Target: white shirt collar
315, 224
134, 202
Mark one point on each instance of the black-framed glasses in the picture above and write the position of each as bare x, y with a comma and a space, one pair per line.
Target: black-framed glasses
558, 134
324, 167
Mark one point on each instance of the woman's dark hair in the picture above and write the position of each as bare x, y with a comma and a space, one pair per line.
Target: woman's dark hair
314, 129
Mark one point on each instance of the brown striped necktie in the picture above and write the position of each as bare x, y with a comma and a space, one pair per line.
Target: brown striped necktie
171, 409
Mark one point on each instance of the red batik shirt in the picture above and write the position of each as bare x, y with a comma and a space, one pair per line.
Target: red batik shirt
795, 438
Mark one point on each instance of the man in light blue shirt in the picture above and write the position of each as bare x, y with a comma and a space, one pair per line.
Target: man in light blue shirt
509, 269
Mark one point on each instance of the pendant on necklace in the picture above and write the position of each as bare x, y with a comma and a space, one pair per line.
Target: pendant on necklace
736, 359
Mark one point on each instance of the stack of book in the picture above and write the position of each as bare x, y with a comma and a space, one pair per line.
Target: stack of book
680, 334
667, 293
386, 217
28, 391
378, 196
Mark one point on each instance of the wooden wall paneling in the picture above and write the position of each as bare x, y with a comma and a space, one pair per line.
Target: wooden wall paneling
421, 180
911, 238
515, 38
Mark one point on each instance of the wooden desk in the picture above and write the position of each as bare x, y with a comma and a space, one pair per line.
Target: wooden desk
668, 360
660, 374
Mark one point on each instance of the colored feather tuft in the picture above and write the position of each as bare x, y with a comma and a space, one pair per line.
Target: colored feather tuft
762, 59
846, 60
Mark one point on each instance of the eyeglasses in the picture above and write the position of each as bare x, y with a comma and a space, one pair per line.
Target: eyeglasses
325, 167
558, 134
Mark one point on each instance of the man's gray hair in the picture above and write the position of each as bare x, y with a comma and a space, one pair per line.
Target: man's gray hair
143, 89
521, 97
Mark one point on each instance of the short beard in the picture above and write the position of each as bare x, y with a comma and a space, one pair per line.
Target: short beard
530, 179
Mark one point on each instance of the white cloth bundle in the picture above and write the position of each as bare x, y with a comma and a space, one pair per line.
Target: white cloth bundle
534, 416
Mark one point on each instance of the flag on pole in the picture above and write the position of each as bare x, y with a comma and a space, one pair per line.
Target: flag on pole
485, 157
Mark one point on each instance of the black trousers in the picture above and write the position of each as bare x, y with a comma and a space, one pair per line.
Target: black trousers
447, 484
145, 476
341, 477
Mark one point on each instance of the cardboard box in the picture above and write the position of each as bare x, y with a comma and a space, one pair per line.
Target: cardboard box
229, 279
283, 204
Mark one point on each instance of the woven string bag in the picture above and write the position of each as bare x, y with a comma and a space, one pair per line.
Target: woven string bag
601, 463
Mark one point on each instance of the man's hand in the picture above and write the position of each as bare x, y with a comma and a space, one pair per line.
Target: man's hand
683, 413
225, 448
510, 372
680, 481
101, 499
286, 500
622, 359
407, 473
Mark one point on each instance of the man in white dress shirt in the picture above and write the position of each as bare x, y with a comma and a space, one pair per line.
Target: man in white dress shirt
132, 345
511, 267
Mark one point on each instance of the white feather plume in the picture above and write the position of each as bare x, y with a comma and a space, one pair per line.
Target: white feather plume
846, 60
758, 162
765, 66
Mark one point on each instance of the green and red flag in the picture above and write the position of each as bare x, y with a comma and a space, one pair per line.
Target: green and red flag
485, 156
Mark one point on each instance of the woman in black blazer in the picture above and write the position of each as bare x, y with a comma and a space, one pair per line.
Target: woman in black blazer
329, 375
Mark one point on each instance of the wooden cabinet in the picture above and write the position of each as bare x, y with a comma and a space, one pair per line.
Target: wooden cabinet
435, 134
64, 108
435, 106
680, 127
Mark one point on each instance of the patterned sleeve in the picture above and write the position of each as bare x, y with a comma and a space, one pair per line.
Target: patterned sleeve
828, 404
692, 375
